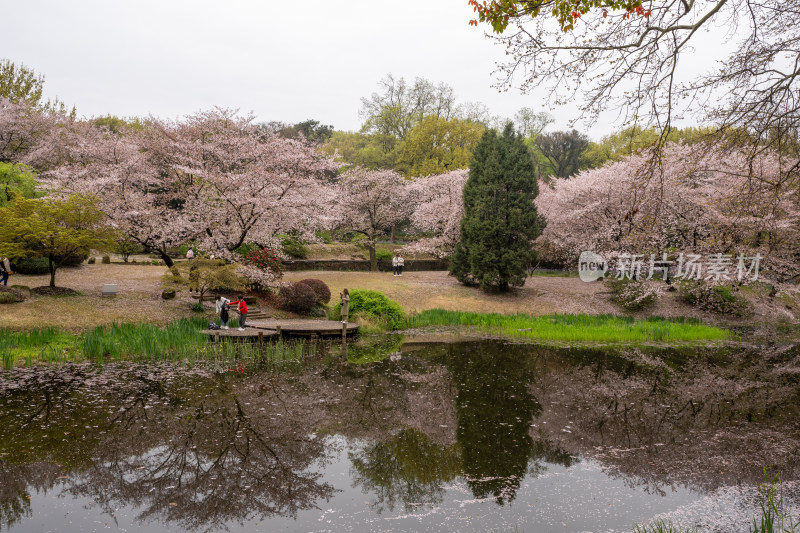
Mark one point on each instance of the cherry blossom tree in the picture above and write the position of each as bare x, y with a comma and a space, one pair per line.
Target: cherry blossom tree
438, 208
369, 202
247, 185
706, 201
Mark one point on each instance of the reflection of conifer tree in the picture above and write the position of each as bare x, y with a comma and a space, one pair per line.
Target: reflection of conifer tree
495, 411
408, 468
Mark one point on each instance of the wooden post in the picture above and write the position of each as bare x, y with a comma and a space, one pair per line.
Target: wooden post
260, 337
278, 330
216, 336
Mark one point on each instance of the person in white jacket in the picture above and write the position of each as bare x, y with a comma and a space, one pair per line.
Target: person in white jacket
400, 263
394, 264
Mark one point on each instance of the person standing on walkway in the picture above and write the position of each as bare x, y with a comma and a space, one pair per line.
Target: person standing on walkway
394, 264
400, 262
345, 296
242, 308
222, 309
5, 270
189, 254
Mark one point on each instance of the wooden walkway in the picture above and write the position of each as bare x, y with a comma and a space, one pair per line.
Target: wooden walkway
259, 330
249, 334
320, 328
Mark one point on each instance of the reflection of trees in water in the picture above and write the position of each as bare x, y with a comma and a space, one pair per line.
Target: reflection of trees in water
495, 411
700, 423
201, 457
407, 469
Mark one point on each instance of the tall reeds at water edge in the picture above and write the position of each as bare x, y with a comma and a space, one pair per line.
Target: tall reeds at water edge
179, 341
575, 328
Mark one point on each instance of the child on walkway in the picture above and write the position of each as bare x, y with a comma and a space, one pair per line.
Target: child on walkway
242, 308
222, 310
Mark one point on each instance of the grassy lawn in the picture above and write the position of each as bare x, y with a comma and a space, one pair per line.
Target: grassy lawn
575, 328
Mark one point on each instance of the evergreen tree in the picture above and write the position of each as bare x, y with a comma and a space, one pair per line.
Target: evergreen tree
500, 219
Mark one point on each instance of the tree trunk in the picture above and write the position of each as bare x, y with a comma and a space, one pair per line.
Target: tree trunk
394, 227
373, 260
167, 259
52, 267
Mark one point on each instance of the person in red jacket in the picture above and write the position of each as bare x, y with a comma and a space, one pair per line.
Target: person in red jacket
242, 308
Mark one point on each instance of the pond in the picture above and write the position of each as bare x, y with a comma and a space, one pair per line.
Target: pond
462, 435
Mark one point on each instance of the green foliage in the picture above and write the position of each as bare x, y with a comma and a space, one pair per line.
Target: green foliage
32, 266
633, 295
500, 219
16, 179
383, 255
575, 328
57, 229
91, 261
716, 298
18, 294
168, 294
373, 151
563, 152
206, 275
20, 83
106, 260
293, 246
634, 139
125, 246
242, 250
198, 307
437, 145
325, 236
7, 298
774, 515
376, 306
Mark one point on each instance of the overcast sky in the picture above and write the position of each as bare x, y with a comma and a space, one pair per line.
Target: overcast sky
286, 61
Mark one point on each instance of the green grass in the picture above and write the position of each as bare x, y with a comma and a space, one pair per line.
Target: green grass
575, 328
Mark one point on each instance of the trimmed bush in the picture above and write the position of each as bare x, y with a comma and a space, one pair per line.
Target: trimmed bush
31, 266
631, 294
198, 307
375, 305
91, 261
74, 260
265, 259
106, 260
297, 297
320, 288
383, 255
716, 298
168, 294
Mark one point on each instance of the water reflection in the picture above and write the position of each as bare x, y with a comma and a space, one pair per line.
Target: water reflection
206, 452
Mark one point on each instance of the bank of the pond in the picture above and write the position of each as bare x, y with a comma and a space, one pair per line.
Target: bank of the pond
575, 328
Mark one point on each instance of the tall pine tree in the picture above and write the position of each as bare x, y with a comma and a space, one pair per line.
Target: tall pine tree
500, 219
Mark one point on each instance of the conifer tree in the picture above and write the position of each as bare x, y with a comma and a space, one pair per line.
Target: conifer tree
500, 219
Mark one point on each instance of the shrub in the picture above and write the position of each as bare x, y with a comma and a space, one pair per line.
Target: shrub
297, 297
265, 259
33, 265
74, 260
198, 307
7, 298
320, 289
293, 246
106, 260
91, 261
168, 294
126, 247
14, 294
716, 298
155, 262
325, 236
246, 248
375, 305
633, 295
383, 255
